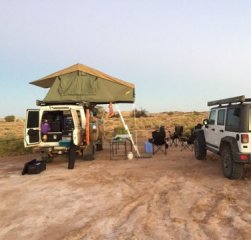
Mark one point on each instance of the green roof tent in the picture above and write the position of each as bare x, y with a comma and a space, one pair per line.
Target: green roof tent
79, 83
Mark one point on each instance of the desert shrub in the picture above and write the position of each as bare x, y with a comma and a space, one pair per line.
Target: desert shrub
196, 113
12, 147
119, 130
170, 113
10, 118
139, 113
115, 115
148, 126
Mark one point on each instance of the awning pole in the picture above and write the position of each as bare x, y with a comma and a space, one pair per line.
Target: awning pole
127, 130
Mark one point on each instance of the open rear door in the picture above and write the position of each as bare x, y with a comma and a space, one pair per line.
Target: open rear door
32, 129
78, 130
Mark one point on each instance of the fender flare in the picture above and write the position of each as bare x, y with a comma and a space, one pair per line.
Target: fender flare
230, 141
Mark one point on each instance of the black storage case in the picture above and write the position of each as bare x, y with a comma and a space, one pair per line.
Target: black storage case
34, 167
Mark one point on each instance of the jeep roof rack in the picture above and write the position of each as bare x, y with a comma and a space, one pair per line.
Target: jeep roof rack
239, 99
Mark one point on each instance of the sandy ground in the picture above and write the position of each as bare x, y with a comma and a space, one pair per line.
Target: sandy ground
169, 196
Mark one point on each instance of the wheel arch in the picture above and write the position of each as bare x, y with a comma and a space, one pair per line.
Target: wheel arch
231, 142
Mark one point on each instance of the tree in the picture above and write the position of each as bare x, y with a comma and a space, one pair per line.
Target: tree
140, 113
10, 118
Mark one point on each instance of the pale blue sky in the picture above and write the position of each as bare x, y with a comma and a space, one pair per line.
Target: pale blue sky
179, 54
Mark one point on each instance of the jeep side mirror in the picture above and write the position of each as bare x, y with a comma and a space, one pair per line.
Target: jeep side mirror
205, 122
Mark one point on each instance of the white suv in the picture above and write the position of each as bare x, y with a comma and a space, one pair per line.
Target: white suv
227, 132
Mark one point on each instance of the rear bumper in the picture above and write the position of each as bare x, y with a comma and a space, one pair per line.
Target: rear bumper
53, 150
242, 157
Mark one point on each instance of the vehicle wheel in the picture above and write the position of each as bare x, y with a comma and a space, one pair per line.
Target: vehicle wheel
99, 146
46, 157
72, 156
199, 150
89, 152
230, 169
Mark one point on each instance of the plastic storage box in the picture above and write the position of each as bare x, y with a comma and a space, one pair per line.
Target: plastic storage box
148, 147
65, 143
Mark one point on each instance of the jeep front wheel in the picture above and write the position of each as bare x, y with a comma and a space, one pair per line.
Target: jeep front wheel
199, 150
230, 169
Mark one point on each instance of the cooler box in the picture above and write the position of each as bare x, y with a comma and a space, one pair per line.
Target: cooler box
148, 147
64, 143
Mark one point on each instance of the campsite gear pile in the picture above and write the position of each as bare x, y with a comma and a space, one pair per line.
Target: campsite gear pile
73, 95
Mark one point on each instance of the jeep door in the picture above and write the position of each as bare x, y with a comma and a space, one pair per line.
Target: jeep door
220, 127
209, 130
32, 128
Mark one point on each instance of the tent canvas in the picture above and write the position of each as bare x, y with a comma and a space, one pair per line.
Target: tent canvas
79, 83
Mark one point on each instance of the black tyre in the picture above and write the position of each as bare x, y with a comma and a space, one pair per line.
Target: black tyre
89, 152
72, 156
230, 169
46, 157
200, 151
99, 146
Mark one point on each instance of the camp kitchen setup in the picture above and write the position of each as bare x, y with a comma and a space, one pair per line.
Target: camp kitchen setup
68, 120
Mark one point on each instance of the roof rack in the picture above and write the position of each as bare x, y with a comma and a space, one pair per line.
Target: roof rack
42, 103
239, 99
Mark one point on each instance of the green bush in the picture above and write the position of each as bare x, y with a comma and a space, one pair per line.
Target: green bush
12, 147
10, 118
139, 113
196, 113
119, 130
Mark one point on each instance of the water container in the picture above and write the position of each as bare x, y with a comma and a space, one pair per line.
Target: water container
130, 156
148, 147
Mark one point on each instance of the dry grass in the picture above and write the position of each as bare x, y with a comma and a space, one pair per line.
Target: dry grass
10, 130
145, 125
140, 127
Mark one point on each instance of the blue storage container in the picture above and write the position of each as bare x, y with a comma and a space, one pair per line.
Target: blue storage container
64, 143
148, 147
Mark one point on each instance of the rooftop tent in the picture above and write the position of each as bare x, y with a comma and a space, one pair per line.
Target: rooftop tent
79, 83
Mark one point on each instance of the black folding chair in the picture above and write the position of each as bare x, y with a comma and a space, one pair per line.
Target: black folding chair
159, 140
175, 137
187, 142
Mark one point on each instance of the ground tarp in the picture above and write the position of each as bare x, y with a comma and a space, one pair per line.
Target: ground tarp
79, 83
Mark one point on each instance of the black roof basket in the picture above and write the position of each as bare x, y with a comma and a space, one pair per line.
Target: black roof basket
239, 99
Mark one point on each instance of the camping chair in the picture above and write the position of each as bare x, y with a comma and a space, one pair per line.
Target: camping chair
187, 141
159, 140
175, 137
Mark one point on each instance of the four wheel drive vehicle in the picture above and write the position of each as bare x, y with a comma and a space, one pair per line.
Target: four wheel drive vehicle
69, 128
227, 132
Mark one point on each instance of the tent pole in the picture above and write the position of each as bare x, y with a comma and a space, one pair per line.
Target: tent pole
128, 131
135, 124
